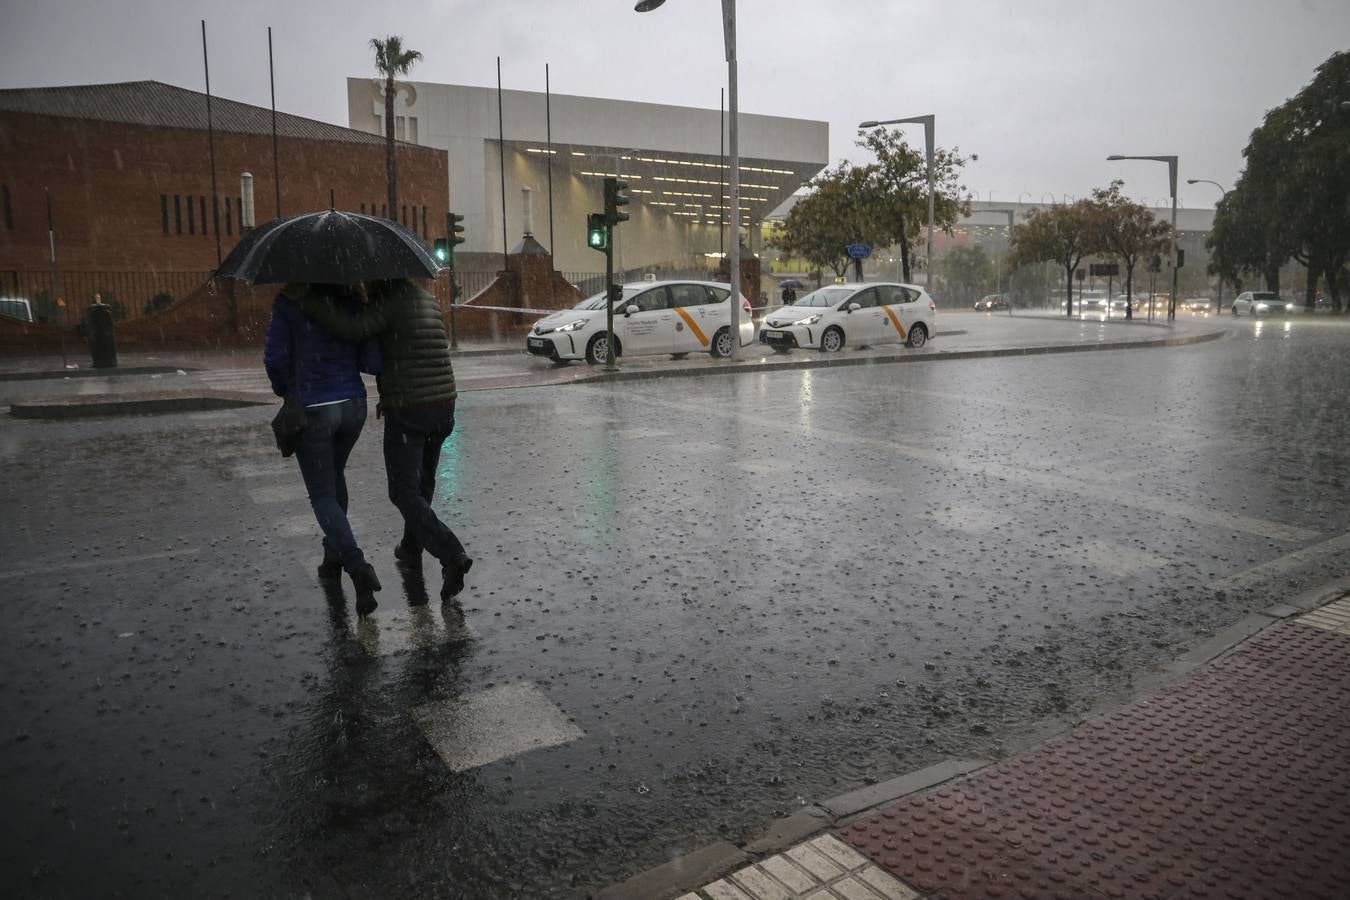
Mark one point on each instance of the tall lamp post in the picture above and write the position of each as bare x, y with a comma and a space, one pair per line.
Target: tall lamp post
1218, 304
733, 163
928, 125
1172, 180
1010, 214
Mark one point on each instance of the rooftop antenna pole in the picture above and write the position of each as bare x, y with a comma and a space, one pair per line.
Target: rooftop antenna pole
548, 131
272, 82
211, 146
501, 147
60, 301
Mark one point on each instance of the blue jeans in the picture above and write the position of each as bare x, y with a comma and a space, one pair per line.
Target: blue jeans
412, 451
330, 433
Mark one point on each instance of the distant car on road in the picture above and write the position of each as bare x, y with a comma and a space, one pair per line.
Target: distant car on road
1092, 302
991, 303
840, 315
1198, 306
16, 308
1261, 303
652, 317
1120, 303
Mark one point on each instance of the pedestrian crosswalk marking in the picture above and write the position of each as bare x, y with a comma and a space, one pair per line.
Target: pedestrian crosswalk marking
1280, 565
471, 731
1115, 559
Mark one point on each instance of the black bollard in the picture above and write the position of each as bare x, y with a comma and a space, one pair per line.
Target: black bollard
102, 339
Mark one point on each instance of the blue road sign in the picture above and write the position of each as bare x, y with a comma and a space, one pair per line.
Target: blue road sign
858, 251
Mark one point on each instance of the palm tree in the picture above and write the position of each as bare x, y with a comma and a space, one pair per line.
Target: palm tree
392, 61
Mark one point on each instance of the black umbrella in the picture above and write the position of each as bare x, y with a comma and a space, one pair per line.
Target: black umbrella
790, 282
330, 247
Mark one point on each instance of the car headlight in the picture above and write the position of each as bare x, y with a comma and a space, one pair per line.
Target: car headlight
1263, 306
809, 320
573, 326
540, 329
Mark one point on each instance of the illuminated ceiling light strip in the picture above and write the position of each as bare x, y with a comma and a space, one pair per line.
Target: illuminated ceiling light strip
765, 187
612, 175
710, 165
540, 150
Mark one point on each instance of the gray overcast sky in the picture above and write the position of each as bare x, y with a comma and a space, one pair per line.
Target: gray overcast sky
1041, 90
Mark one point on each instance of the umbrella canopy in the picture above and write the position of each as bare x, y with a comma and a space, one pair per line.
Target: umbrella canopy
789, 282
330, 247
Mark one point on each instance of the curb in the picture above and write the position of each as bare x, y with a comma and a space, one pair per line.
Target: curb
102, 405
832, 362
92, 373
685, 874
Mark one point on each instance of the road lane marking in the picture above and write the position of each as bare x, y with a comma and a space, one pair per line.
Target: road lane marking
1280, 565
60, 568
1107, 493
471, 731
1114, 559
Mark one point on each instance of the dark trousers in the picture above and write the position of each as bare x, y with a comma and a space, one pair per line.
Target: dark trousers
330, 433
412, 451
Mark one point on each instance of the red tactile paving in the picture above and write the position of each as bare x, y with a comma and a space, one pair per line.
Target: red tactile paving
1233, 783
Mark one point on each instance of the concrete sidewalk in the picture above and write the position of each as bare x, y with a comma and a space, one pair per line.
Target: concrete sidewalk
177, 378
1230, 782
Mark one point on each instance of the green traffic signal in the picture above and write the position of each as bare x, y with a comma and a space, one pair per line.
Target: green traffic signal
595, 232
441, 250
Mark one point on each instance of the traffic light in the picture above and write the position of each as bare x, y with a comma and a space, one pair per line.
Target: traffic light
456, 229
595, 232
615, 198
615, 293
1181, 257
441, 250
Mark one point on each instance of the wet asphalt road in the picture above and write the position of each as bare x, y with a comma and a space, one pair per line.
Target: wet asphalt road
720, 598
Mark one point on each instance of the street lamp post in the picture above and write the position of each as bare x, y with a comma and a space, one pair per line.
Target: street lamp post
1172, 180
733, 163
1218, 303
1010, 214
928, 126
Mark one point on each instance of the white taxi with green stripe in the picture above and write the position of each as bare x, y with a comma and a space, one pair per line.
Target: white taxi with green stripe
852, 315
651, 318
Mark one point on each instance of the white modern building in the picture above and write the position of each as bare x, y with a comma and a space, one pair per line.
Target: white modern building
671, 157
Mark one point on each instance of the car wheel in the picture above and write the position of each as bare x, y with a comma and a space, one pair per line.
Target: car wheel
597, 351
918, 336
1235, 314
720, 348
832, 341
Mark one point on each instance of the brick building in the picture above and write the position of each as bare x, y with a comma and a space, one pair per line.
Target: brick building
130, 179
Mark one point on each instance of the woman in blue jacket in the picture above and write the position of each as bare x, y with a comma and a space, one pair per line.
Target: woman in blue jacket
334, 398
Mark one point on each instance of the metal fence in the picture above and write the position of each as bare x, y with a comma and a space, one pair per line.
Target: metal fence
130, 294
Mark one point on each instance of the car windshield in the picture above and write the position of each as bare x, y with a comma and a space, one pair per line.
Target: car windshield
598, 300
1265, 297
827, 296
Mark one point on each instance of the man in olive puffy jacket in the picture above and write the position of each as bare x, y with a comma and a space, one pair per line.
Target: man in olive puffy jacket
417, 400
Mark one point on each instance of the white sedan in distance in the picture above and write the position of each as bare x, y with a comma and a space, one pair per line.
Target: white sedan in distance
650, 318
859, 315
1261, 303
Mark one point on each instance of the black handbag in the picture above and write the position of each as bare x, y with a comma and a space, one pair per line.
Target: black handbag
288, 425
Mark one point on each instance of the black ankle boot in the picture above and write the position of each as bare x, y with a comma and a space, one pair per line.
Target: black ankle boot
366, 584
452, 575
331, 567
408, 553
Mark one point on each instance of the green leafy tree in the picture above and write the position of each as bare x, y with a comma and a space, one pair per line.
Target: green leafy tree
393, 61
840, 210
1129, 231
968, 273
1064, 234
1292, 200
900, 177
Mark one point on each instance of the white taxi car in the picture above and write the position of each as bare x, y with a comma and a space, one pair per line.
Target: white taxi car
653, 317
860, 315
